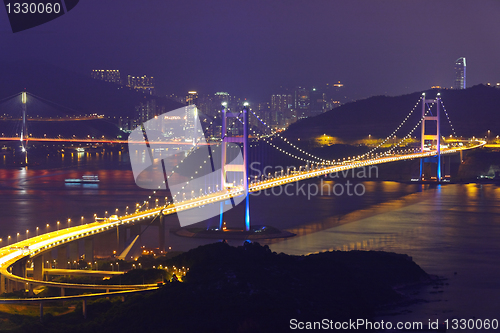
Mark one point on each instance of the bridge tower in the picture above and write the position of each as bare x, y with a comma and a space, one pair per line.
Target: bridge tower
24, 130
243, 168
431, 137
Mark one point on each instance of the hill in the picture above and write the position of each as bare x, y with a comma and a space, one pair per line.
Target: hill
251, 289
472, 111
72, 90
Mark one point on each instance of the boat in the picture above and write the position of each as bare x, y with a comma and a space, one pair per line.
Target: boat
84, 180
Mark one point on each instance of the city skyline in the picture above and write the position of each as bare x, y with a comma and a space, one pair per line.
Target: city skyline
250, 49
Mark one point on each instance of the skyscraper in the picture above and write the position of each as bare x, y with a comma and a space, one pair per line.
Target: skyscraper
317, 102
281, 110
460, 73
191, 116
192, 97
302, 102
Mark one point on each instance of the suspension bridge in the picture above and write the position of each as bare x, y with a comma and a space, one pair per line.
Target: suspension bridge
231, 181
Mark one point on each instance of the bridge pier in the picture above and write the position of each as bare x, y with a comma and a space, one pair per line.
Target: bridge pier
421, 176
84, 308
116, 241
10, 285
89, 250
19, 269
62, 257
105, 243
447, 167
161, 233
38, 268
2, 284
74, 254
120, 240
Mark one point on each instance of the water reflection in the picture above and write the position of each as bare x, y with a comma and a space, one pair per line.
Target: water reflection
451, 231
446, 229
34, 197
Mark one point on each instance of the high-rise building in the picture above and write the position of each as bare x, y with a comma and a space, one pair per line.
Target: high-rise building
143, 83
264, 112
219, 98
335, 95
108, 75
147, 110
191, 117
281, 110
317, 102
302, 102
191, 97
460, 73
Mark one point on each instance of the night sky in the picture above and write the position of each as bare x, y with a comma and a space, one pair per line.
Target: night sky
251, 48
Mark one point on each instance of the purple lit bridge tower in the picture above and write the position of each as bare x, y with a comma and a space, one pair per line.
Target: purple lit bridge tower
431, 142
239, 168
